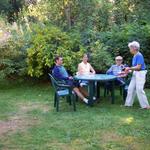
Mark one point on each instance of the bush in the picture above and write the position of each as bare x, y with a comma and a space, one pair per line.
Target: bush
119, 37
47, 42
12, 62
101, 58
148, 76
13, 45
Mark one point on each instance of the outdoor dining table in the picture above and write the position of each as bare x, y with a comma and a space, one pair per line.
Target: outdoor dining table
92, 79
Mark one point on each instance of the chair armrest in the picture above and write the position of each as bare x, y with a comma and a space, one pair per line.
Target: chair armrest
70, 88
64, 85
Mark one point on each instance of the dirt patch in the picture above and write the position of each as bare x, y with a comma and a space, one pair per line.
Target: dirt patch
24, 108
21, 121
15, 124
57, 145
128, 142
110, 136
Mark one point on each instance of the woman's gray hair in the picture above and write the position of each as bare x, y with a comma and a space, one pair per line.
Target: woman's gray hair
134, 44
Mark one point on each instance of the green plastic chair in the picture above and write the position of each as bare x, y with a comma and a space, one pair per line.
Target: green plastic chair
62, 90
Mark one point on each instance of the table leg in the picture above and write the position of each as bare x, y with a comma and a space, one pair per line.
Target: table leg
112, 93
94, 89
98, 90
91, 91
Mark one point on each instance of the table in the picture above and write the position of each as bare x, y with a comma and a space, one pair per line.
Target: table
92, 78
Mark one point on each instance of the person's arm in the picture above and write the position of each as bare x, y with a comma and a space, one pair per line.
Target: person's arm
80, 69
58, 75
92, 69
140, 61
110, 70
136, 68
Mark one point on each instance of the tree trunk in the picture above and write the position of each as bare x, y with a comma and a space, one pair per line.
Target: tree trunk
68, 14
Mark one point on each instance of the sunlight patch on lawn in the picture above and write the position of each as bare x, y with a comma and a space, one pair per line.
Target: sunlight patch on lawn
128, 120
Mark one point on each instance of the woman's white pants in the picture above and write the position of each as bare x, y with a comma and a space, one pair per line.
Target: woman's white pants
136, 86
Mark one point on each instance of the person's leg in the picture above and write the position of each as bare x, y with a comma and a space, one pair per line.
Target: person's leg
80, 95
131, 92
83, 91
77, 91
140, 81
107, 88
120, 82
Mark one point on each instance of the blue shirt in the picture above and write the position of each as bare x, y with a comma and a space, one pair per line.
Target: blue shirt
138, 59
115, 69
60, 73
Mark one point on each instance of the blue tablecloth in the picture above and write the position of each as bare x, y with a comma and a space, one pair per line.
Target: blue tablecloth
95, 77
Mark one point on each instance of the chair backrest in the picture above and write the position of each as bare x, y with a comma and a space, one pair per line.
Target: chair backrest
54, 82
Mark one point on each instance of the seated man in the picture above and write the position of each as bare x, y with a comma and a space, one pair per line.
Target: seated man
116, 70
60, 73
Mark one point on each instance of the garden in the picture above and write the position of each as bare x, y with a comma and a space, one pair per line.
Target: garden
32, 34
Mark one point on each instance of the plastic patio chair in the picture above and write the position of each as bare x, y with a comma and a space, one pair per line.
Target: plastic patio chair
62, 90
125, 89
107, 90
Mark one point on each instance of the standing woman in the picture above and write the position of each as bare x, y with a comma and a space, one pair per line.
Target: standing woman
136, 85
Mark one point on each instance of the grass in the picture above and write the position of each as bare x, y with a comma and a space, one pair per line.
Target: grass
28, 121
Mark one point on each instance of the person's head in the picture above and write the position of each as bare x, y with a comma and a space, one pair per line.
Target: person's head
85, 58
134, 47
58, 60
118, 60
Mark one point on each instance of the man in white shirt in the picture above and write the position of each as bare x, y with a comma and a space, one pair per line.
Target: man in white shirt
117, 69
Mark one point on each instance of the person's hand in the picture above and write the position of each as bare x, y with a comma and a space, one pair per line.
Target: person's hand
127, 69
70, 78
122, 74
92, 72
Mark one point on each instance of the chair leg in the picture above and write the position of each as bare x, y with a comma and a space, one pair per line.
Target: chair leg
124, 95
74, 103
76, 97
69, 99
121, 91
57, 103
105, 90
112, 94
55, 99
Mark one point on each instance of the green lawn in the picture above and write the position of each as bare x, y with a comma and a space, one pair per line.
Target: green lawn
28, 121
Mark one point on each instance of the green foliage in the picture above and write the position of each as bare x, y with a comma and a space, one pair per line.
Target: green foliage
46, 43
11, 8
148, 76
119, 37
13, 43
12, 59
101, 58
114, 23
